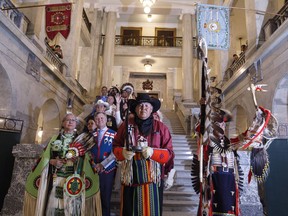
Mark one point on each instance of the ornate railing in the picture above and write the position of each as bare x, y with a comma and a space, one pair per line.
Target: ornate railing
54, 59
273, 24
268, 29
128, 40
234, 67
12, 125
283, 14
86, 20
18, 18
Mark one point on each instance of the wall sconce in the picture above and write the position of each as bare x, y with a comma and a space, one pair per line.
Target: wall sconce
147, 66
147, 4
40, 132
149, 18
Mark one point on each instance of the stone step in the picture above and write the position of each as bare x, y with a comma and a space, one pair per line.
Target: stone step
181, 138
170, 208
166, 202
187, 143
180, 213
182, 151
183, 157
182, 162
181, 167
181, 198
183, 135
179, 203
183, 146
184, 187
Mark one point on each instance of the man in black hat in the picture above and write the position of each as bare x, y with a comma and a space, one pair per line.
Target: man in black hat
143, 145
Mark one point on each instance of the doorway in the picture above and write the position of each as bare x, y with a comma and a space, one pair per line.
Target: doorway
10, 134
276, 189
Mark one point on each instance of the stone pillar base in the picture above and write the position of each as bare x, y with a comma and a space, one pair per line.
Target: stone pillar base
25, 158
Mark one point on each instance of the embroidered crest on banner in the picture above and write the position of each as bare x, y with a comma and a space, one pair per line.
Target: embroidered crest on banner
58, 18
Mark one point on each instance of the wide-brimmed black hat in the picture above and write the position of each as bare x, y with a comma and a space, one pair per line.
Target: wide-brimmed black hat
142, 98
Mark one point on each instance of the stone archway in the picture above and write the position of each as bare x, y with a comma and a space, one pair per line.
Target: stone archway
280, 106
278, 154
48, 120
6, 93
239, 123
8, 137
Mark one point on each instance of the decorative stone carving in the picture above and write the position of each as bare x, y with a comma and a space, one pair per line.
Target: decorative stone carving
147, 85
33, 66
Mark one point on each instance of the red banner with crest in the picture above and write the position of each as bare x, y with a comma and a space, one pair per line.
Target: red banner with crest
58, 18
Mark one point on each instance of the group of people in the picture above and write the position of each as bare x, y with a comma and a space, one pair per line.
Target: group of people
56, 48
76, 172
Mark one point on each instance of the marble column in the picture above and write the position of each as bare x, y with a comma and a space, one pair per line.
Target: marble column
96, 44
39, 16
71, 46
254, 22
187, 45
109, 46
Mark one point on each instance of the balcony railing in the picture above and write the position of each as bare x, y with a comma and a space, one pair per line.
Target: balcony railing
234, 67
54, 59
148, 41
273, 24
18, 18
268, 29
86, 20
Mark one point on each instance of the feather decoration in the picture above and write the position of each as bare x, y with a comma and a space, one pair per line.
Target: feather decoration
240, 173
195, 174
260, 165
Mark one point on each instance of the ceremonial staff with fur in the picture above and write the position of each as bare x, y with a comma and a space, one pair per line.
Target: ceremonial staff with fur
203, 56
202, 52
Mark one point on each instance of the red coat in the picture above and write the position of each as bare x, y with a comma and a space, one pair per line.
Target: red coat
160, 140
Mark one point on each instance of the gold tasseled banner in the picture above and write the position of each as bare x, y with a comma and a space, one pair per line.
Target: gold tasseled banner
93, 205
29, 205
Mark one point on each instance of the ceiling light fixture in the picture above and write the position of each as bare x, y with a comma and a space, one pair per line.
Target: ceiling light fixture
149, 18
147, 66
147, 4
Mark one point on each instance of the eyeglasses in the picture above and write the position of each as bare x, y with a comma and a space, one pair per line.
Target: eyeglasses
70, 120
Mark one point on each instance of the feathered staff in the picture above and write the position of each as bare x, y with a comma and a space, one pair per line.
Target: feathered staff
203, 55
198, 166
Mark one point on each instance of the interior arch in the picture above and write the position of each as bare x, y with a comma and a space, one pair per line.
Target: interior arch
6, 93
48, 121
280, 106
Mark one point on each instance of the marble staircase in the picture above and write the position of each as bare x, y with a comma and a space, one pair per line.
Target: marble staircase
180, 199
